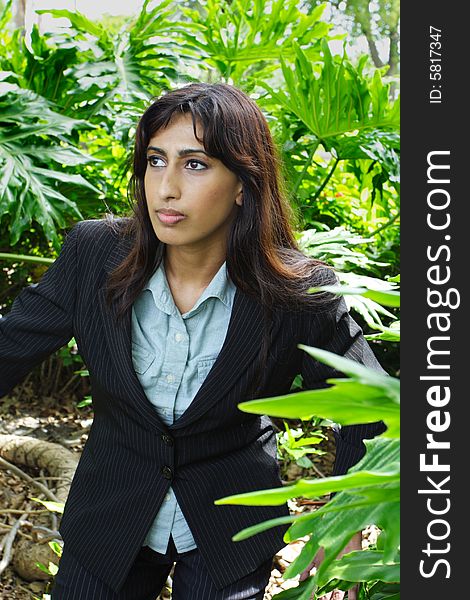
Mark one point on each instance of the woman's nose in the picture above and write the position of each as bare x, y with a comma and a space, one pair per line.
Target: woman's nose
169, 184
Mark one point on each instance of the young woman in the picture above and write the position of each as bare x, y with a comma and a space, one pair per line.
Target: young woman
192, 305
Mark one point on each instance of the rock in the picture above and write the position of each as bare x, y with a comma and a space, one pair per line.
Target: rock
27, 555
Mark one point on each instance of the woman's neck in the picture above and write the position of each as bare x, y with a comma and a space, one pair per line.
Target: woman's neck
192, 269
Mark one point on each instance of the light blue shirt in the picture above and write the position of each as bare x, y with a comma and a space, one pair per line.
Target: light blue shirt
172, 355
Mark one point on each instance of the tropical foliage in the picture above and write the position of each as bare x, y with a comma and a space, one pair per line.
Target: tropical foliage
368, 494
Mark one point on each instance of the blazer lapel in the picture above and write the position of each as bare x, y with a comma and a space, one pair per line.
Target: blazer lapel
118, 339
242, 343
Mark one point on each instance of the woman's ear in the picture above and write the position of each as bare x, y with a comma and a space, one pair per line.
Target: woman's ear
239, 197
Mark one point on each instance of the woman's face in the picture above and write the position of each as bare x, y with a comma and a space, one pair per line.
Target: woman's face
181, 177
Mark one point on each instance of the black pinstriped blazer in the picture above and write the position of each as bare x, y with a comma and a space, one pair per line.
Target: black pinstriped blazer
213, 450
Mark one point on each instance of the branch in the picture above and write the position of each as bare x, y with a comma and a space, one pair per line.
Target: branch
7, 542
4, 464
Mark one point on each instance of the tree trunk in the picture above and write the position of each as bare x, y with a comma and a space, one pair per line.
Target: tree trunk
364, 23
373, 50
393, 57
57, 460
20, 14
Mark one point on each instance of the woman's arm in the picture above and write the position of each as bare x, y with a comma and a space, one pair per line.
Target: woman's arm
338, 332
41, 318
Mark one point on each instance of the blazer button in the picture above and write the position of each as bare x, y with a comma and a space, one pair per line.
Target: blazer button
167, 439
167, 472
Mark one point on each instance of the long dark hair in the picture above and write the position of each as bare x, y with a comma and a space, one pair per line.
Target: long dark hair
263, 258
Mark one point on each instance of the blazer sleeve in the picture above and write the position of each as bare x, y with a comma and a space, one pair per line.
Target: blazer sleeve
41, 318
338, 332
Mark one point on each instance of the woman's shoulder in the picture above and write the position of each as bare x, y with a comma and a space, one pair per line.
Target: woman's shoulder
98, 241
108, 225
103, 232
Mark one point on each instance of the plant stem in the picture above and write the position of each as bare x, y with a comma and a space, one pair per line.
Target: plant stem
26, 258
308, 162
326, 180
385, 225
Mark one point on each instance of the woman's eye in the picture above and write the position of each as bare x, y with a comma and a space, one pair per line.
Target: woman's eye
195, 165
155, 161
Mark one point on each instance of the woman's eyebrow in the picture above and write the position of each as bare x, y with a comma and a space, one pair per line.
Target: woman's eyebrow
183, 152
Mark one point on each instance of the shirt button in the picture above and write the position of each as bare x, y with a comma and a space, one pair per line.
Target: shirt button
167, 497
170, 378
167, 472
178, 337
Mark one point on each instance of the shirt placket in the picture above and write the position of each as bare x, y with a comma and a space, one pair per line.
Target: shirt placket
174, 362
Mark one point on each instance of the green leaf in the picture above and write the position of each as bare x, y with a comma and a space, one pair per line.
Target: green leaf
367, 565
312, 488
303, 591
334, 99
368, 397
259, 527
245, 38
387, 298
41, 567
50, 505
354, 369
384, 591
308, 441
77, 19
55, 547
334, 528
349, 511
28, 190
389, 334
65, 156
304, 462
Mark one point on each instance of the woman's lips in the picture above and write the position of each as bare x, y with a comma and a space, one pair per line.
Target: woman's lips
170, 219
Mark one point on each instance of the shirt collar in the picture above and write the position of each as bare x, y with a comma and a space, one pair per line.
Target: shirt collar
221, 287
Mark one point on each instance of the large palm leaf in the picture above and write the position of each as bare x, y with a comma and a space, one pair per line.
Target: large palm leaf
120, 71
333, 98
243, 36
34, 138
